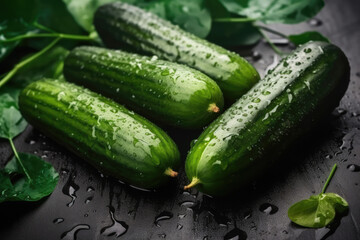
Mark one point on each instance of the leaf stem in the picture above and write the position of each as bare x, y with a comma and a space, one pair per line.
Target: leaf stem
234, 20
48, 35
329, 178
42, 27
18, 158
272, 31
268, 40
13, 71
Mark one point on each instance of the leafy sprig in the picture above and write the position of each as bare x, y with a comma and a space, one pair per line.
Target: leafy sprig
319, 210
25, 177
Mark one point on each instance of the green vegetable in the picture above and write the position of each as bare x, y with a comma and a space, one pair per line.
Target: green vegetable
25, 177
111, 138
121, 25
306, 37
319, 210
247, 139
164, 91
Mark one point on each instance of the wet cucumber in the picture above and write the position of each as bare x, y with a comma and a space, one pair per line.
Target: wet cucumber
113, 139
121, 25
245, 140
163, 91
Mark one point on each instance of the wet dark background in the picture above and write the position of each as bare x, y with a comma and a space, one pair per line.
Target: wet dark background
88, 205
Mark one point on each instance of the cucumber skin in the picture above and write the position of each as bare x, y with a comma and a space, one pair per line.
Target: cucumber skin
236, 149
166, 92
113, 139
121, 25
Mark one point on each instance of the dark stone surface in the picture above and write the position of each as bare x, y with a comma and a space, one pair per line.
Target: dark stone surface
174, 214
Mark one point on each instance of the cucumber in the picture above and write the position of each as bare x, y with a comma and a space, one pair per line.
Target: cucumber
121, 25
113, 139
246, 140
166, 92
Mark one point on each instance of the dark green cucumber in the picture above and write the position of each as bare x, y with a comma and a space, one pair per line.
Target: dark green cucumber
113, 139
167, 92
247, 139
121, 25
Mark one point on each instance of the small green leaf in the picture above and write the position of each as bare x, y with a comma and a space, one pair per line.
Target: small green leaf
14, 186
307, 37
317, 211
11, 121
281, 11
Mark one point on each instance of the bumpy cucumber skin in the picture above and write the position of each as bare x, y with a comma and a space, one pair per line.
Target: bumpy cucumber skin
113, 139
121, 25
246, 139
166, 92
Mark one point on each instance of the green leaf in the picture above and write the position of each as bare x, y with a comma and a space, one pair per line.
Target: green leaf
19, 9
230, 33
11, 121
189, 15
13, 92
234, 34
15, 16
317, 211
48, 65
307, 37
83, 11
281, 11
10, 28
14, 186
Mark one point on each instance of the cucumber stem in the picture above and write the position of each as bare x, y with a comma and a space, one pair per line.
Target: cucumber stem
213, 108
170, 172
195, 181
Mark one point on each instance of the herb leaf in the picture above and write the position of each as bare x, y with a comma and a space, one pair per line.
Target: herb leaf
14, 186
281, 11
11, 121
307, 37
317, 211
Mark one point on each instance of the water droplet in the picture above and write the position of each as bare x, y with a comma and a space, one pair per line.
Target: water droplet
307, 50
58, 220
353, 168
179, 226
280, 41
71, 234
247, 214
88, 200
32, 142
117, 228
235, 234
268, 208
90, 189
162, 235
315, 22
181, 216
70, 189
256, 56
340, 111
165, 215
